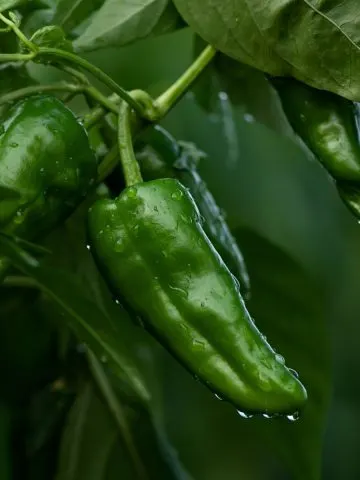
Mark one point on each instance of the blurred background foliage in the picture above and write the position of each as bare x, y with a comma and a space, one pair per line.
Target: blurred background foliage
302, 249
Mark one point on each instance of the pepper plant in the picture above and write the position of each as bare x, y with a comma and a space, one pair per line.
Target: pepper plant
121, 269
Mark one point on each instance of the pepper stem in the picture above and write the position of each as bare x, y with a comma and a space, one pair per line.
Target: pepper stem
167, 100
127, 155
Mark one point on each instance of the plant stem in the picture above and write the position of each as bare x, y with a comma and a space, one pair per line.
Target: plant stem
102, 99
95, 71
128, 160
16, 57
116, 410
95, 115
170, 97
19, 281
11, 24
26, 91
108, 164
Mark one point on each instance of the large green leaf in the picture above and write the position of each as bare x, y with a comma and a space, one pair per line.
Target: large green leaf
227, 84
70, 13
316, 42
93, 446
88, 321
119, 23
89, 435
9, 4
27, 341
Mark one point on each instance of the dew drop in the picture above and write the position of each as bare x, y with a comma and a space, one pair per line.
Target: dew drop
218, 397
243, 414
119, 246
131, 192
88, 247
293, 417
19, 218
117, 301
177, 195
249, 118
81, 348
294, 372
280, 359
180, 291
237, 284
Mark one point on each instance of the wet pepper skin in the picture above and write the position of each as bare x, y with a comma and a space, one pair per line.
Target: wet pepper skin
164, 157
329, 126
46, 167
152, 250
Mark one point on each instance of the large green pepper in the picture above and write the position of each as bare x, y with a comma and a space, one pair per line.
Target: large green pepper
328, 125
162, 157
46, 167
152, 250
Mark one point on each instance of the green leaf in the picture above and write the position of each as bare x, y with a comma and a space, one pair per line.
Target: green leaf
52, 37
89, 435
70, 13
84, 317
119, 23
93, 447
10, 4
13, 77
27, 355
316, 42
244, 86
290, 310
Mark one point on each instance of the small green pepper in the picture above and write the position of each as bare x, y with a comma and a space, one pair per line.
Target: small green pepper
152, 251
46, 167
329, 125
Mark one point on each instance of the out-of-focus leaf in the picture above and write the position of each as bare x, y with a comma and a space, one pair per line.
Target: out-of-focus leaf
245, 86
117, 24
70, 13
316, 42
45, 414
9, 4
291, 311
85, 318
93, 446
27, 356
88, 437
13, 77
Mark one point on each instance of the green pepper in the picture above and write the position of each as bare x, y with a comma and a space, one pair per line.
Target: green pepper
163, 157
46, 167
328, 125
152, 251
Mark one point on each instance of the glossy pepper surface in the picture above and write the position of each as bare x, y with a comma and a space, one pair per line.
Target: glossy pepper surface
151, 248
329, 125
164, 157
46, 167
